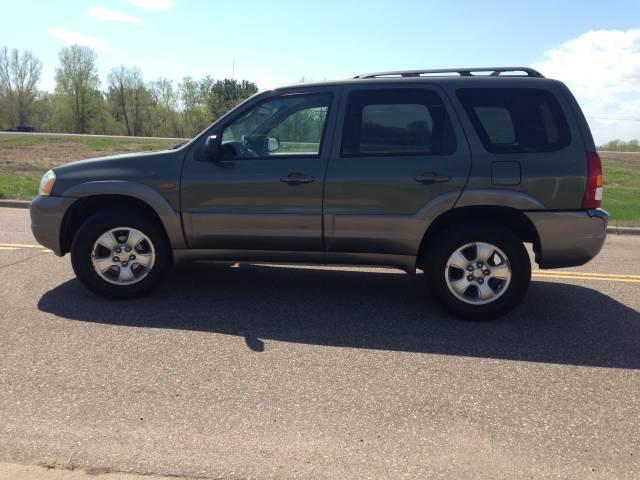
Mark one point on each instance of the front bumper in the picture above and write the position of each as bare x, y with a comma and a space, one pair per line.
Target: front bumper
568, 238
47, 214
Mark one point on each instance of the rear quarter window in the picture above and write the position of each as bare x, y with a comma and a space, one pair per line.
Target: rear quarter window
516, 120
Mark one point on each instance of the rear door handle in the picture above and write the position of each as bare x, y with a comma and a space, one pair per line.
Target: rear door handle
296, 178
431, 177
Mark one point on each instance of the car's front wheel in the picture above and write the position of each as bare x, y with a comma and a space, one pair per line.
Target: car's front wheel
478, 271
116, 254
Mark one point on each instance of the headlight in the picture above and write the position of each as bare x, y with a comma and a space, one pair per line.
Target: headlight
46, 184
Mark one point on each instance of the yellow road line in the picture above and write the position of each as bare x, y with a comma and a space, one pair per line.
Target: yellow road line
587, 274
576, 277
9, 246
20, 245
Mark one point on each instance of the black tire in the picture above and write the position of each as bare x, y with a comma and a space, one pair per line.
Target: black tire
93, 228
441, 249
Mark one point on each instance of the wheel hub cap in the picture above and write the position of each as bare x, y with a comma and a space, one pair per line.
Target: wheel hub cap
119, 268
478, 273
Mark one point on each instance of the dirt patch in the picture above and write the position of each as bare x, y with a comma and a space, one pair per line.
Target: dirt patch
629, 158
34, 155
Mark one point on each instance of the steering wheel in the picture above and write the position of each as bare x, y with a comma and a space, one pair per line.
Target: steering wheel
248, 149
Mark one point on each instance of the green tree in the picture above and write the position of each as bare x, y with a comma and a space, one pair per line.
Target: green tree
129, 105
43, 109
226, 94
130, 99
192, 99
19, 77
166, 99
77, 80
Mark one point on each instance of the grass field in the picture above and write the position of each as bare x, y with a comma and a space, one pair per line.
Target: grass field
622, 187
19, 187
24, 158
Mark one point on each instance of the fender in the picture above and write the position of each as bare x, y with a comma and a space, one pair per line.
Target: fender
169, 217
449, 202
431, 212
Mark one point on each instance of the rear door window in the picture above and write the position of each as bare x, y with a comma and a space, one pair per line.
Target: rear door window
395, 123
516, 120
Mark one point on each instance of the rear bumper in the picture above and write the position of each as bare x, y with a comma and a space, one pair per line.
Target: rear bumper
568, 238
47, 214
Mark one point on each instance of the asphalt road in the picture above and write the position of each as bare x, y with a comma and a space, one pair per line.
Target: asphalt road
255, 372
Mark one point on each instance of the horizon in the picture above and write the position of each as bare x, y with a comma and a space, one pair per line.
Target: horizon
596, 53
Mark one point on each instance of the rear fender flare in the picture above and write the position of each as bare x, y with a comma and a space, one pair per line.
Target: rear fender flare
498, 197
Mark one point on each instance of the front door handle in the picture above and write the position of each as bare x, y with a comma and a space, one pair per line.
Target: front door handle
431, 177
296, 178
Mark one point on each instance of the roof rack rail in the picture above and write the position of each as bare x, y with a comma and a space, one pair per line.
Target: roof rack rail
463, 72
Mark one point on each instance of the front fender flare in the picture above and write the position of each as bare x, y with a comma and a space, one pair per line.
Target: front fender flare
169, 216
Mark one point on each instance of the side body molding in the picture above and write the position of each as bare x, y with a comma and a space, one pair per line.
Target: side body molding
498, 197
169, 216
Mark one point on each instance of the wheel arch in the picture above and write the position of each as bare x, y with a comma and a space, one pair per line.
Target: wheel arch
87, 206
512, 218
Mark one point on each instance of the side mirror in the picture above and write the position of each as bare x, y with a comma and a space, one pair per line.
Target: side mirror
212, 146
273, 144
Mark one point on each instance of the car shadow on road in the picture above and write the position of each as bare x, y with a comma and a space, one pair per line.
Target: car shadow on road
557, 323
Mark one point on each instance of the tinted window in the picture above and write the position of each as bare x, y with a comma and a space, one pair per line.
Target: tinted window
396, 122
288, 125
516, 120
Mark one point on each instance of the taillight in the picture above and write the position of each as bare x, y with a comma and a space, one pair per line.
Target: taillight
595, 182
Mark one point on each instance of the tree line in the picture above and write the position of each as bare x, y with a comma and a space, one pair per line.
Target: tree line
127, 105
618, 145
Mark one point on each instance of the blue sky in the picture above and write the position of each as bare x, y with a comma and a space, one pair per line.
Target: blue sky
279, 42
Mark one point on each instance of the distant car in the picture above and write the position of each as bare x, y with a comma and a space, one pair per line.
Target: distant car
450, 172
22, 129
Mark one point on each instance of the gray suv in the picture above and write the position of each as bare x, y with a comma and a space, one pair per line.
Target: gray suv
447, 171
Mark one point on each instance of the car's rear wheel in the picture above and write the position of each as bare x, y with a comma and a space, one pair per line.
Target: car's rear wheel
116, 254
479, 271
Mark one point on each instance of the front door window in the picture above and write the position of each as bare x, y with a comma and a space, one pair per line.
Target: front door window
290, 125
